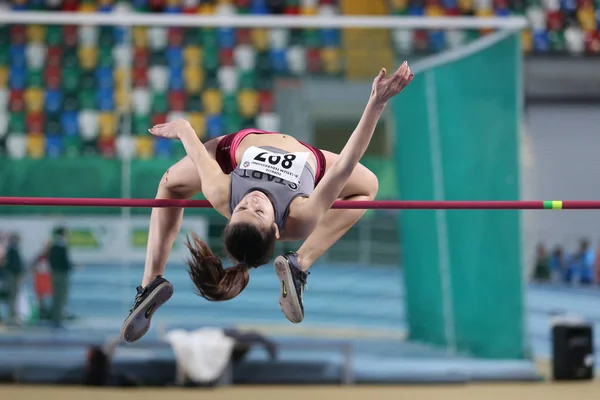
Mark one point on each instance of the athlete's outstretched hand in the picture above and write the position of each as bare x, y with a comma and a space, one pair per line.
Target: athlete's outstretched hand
172, 130
384, 88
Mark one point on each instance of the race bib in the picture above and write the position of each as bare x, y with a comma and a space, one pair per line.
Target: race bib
287, 166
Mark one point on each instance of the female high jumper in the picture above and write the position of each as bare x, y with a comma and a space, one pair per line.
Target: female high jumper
270, 187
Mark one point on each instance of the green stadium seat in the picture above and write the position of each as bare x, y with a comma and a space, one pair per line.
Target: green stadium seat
4, 54
247, 80
52, 125
35, 78
17, 122
105, 57
230, 104
140, 123
160, 103
211, 59
72, 146
54, 35
87, 99
70, 79
232, 122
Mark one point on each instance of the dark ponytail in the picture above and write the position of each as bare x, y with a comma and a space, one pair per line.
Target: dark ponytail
213, 282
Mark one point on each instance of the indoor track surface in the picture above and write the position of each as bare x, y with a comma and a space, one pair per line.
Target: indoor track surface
528, 391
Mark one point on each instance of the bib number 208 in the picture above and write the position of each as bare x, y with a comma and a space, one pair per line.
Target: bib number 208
285, 161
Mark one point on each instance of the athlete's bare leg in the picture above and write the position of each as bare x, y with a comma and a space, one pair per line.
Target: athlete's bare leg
362, 185
291, 268
181, 181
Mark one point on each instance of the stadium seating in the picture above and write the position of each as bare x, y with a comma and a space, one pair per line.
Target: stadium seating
65, 90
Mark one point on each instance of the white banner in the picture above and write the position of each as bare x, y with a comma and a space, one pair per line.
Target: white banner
96, 239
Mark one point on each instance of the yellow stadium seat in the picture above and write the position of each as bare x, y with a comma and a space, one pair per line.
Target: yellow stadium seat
144, 146
123, 100
36, 33
587, 19
206, 8
88, 57
194, 79
434, 11
36, 145
332, 60
198, 122
3, 76
192, 56
87, 7
139, 36
465, 5
107, 124
399, 4
213, 101
485, 13
308, 10
527, 41
34, 99
119, 75
248, 103
260, 38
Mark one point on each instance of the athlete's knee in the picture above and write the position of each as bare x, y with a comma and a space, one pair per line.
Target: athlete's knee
371, 184
171, 188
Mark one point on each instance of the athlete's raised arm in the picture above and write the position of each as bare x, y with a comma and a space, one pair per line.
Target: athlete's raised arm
328, 190
215, 184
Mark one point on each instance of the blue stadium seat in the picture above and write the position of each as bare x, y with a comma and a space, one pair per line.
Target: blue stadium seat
176, 79
105, 99
68, 121
53, 101
104, 78
226, 37
18, 77
330, 38
54, 146
175, 57
214, 126
541, 41
259, 7
163, 147
278, 59
437, 40
17, 55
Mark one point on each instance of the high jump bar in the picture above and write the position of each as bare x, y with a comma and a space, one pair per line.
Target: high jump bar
340, 204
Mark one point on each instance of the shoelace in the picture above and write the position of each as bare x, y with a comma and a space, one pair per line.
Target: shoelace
138, 297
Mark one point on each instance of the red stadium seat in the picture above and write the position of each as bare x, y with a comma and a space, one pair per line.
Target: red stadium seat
53, 77
313, 60
107, 147
265, 102
244, 36
140, 77
70, 35
141, 57
177, 101
159, 119
54, 56
16, 101
226, 57
176, 36
35, 122
18, 34
70, 5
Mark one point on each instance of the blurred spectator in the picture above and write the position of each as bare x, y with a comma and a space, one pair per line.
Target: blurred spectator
541, 272
61, 266
42, 282
15, 274
581, 264
597, 265
558, 265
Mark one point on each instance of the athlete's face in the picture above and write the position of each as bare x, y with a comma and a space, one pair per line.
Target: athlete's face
256, 209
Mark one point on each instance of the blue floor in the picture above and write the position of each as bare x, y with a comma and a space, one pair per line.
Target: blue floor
365, 300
